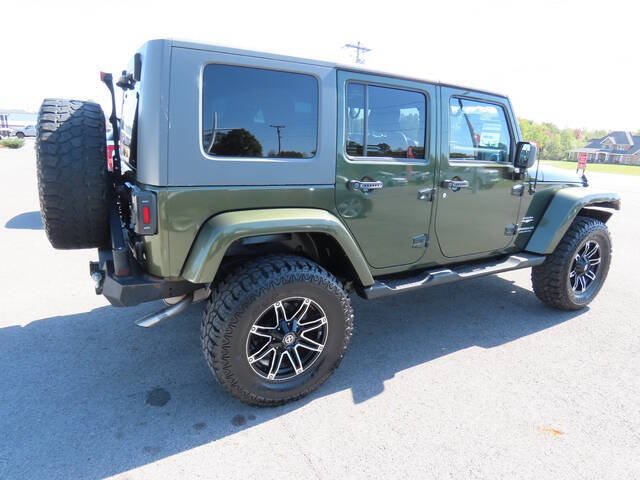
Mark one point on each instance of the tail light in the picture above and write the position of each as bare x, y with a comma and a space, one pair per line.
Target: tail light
145, 212
110, 148
146, 215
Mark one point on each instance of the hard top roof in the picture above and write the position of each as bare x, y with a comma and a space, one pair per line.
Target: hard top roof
286, 58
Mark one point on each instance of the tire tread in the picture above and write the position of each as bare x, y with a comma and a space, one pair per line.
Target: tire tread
238, 289
549, 279
72, 173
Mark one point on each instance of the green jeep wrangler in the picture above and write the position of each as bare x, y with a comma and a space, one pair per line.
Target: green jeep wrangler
274, 187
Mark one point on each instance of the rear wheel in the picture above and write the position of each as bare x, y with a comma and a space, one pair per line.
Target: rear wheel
573, 274
72, 173
275, 329
20, 135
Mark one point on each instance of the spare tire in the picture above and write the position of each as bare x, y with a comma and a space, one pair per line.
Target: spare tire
73, 181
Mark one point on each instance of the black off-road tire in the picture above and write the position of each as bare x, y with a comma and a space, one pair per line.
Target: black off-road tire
238, 300
72, 173
550, 280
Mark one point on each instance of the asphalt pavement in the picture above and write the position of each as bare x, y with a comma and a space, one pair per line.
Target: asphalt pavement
472, 380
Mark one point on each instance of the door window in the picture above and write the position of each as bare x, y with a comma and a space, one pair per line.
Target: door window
478, 131
391, 120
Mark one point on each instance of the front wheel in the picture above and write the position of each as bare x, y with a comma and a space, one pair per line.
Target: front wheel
20, 135
573, 274
275, 329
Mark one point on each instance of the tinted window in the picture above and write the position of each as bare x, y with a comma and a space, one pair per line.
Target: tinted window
249, 112
394, 125
478, 131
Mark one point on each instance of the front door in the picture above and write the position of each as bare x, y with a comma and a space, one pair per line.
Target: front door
478, 190
385, 158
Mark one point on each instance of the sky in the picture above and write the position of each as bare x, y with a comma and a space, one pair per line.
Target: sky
572, 63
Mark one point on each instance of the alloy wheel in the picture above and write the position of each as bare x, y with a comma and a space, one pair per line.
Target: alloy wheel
584, 268
287, 338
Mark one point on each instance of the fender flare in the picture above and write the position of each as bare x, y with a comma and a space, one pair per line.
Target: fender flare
562, 210
218, 233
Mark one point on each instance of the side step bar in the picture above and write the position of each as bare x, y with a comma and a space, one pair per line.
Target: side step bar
441, 276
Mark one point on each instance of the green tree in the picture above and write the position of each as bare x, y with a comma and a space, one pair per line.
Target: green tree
555, 143
237, 142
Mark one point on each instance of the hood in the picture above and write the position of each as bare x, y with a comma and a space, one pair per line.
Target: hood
555, 175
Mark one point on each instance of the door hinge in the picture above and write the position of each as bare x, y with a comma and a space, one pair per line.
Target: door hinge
420, 241
426, 194
510, 230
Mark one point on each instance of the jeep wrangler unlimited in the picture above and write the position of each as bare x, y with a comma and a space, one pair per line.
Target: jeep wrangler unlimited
274, 187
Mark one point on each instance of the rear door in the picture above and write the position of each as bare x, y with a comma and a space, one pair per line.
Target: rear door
385, 159
479, 191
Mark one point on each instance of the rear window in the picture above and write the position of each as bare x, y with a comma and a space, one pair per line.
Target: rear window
258, 113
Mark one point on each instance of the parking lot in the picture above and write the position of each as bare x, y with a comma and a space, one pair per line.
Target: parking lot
472, 380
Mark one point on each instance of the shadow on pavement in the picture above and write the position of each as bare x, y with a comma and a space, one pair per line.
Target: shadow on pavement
26, 221
92, 395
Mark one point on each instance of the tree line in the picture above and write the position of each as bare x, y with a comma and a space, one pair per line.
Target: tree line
554, 143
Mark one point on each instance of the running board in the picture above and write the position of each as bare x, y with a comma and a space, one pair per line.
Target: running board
441, 276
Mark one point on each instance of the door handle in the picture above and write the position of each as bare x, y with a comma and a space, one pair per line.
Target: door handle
426, 194
455, 185
364, 187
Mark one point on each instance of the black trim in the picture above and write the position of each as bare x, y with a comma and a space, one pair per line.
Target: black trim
119, 247
107, 79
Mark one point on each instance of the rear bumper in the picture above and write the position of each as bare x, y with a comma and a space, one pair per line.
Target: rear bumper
137, 287
119, 277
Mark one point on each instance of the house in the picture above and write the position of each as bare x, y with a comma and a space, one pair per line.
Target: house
615, 147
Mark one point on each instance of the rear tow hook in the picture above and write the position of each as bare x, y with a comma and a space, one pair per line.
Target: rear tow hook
153, 319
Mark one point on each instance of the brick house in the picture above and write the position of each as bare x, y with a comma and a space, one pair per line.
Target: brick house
615, 147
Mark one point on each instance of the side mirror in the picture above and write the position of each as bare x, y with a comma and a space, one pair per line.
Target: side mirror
526, 154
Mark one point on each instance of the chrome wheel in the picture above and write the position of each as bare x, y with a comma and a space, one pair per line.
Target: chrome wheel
584, 268
287, 338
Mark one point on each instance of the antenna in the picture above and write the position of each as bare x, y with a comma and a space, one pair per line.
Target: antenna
358, 48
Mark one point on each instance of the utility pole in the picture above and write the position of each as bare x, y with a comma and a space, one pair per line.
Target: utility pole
358, 48
278, 128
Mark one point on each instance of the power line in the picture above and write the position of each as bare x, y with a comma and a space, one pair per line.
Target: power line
278, 128
358, 48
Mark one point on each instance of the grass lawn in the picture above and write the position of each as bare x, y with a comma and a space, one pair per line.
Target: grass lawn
596, 167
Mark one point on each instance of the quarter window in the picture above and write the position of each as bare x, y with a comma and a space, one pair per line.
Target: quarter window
478, 131
251, 112
391, 120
